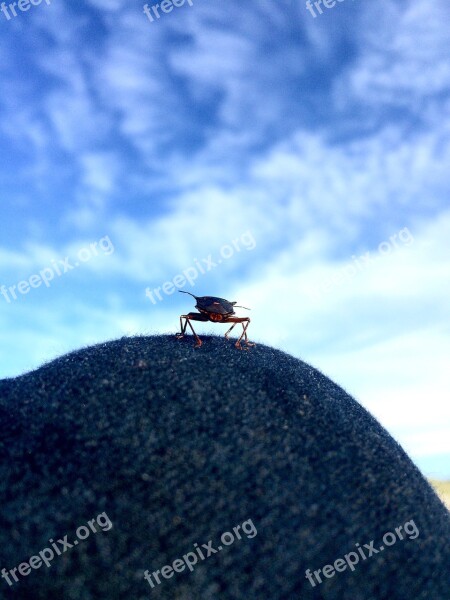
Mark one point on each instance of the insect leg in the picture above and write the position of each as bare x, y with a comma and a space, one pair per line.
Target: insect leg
198, 340
226, 335
182, 329
244, 334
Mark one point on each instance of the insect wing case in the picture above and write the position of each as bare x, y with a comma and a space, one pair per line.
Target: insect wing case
210, 304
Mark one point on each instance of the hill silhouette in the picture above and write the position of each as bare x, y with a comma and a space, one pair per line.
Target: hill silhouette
177, 445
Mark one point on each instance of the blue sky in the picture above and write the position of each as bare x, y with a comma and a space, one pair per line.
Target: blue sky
309, 155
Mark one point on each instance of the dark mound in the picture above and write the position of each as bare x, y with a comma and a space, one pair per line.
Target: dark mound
177, 446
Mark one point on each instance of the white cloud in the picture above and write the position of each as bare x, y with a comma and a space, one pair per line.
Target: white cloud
404, 59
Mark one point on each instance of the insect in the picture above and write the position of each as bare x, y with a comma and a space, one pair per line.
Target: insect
217, 310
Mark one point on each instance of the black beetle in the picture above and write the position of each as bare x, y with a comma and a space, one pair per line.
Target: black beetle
217, 310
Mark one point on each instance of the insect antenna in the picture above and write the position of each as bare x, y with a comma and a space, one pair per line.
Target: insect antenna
183, 292
237, 306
